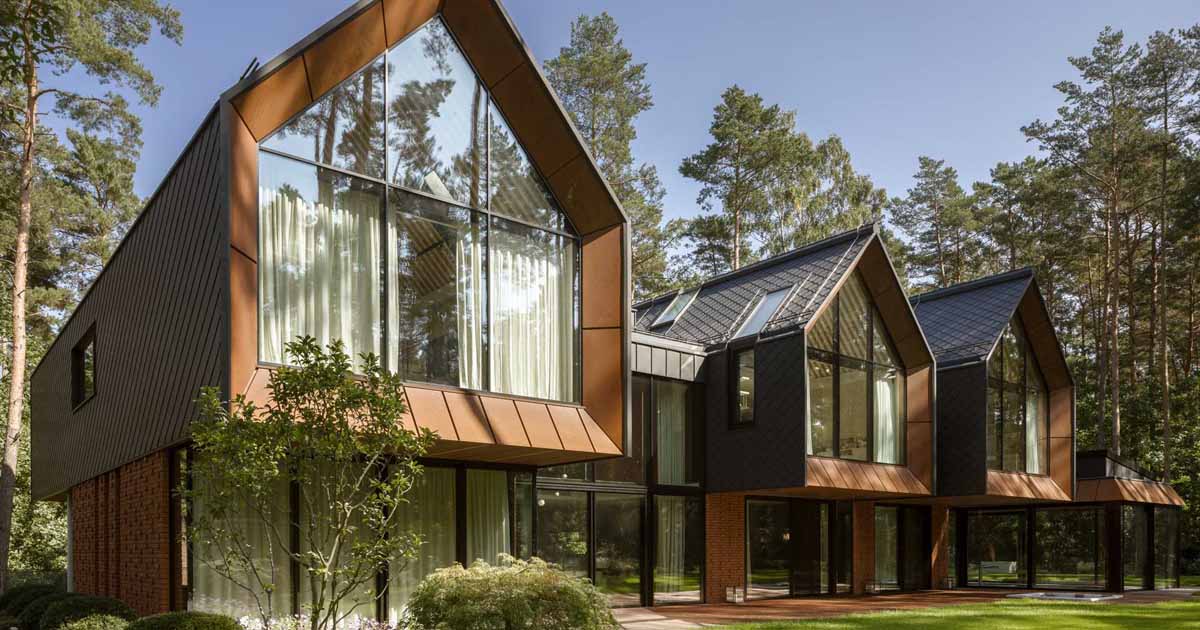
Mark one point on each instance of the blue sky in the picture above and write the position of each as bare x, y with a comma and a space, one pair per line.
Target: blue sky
952, 80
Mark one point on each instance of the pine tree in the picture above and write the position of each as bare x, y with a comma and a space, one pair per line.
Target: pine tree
604, 91
937, 218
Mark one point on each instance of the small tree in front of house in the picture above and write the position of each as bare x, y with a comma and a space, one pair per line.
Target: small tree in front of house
313, 478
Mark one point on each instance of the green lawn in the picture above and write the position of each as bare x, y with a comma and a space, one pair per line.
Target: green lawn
1011, 615
1192, 581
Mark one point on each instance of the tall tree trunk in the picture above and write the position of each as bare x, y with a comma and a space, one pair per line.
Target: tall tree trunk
16, 376
1160, 269
1113, 333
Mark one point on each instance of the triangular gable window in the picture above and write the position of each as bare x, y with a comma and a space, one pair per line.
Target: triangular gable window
443, 134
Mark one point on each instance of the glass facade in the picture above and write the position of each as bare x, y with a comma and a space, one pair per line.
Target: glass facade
996, 549
399, 215
678, 549
743, 369
799, 547
1166, 547
1070, 548
1018, 417
857, 401
1135, 546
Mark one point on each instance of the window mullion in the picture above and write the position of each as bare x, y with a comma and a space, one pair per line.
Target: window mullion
837, 377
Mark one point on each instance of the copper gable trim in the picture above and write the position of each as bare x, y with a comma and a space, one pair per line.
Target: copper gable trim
830, 474
1024, 486
1131, 490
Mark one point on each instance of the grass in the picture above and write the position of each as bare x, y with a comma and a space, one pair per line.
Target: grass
1010, 615
1192, 581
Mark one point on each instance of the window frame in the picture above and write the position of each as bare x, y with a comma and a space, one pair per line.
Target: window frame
1002, 386
81, 349
567, 230
662, 320
735, 403
835, 358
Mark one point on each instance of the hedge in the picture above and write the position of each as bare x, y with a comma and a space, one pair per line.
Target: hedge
31, 617
96, 622
185, 621
15, 599
63, 612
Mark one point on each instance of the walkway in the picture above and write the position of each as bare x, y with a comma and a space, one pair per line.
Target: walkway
701, 615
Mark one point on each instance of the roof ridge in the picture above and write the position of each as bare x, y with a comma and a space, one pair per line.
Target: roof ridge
971, 285
807, 248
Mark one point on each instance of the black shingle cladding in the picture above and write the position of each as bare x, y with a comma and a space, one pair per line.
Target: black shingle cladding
723, 301
963, 322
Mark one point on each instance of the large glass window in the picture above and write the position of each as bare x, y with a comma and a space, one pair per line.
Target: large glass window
431, 514
488, 519
996, 549
473, 299
768, 548
675, 435
319, 258
619, 547
1018, 425
856, 382
1166, 547
887, 547
563, 530
1070, 548
678, 549
1135, 545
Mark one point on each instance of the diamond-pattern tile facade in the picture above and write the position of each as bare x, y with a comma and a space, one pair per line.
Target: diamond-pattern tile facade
723, 303
963, 323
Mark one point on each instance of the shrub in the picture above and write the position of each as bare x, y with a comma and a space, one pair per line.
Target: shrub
7, 622
31, 616
96, 622
14, 600
76, 608
514, 594
185, 621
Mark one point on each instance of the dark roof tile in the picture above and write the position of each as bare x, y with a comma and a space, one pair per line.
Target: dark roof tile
963, 322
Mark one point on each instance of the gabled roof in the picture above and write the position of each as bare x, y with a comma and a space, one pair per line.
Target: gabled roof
963, 322
272, 93
722, 301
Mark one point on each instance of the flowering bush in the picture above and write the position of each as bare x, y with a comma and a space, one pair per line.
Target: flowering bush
514, 594
185, 621
96, 622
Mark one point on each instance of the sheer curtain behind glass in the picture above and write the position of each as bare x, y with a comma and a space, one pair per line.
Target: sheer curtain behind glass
212, 592
319, 263
533, 312
430, 513
672, 432
488, 524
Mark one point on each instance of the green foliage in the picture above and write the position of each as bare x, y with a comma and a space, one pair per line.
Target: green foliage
62, 613
8, 622
16, 594
96, 621
515, 594
31, 616
185, 621
339, 438
604, 91
18, 598
939, 221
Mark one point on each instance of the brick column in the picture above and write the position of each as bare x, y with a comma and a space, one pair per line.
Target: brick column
724, 545
939, 527
864, 545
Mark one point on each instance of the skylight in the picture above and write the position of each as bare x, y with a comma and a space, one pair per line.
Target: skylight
677, 307
762, 313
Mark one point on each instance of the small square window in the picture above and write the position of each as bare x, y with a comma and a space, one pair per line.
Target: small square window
83, 369
743, 366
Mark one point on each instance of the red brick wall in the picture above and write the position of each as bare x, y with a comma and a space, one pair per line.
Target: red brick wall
725, 544
121, 534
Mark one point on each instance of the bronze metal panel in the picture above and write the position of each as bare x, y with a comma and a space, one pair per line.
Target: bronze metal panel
1087, 490
344, 51
600, 439
430, 412
603, 380
538, 425
243, 188
401, 17
256, 390
584, 196
1062, 461
863, 546
275, 99
814, 472
536, 119
469, 418
888, 294
920, 450
570, 428
506, 424
243, 320
1010, 484
602, 279
1061, 401
1039, 330
486, 36
917, 386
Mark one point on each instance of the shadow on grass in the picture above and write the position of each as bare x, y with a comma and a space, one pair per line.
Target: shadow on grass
1011, 615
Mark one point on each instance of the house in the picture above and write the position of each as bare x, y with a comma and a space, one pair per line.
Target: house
405, 181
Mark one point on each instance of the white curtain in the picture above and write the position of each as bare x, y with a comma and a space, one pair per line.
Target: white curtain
672, 438
532, 337
1033, 431
889, 385
472, 309
211, 592
487, 515
669, 565
318, 262
430, 513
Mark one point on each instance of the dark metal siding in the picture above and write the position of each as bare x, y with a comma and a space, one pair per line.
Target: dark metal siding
160, 313
667, 363
961, 439
770, 453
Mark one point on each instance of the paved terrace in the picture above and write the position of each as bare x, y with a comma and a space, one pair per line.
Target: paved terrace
701, 615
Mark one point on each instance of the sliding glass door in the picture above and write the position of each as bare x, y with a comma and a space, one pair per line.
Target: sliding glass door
796, 547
